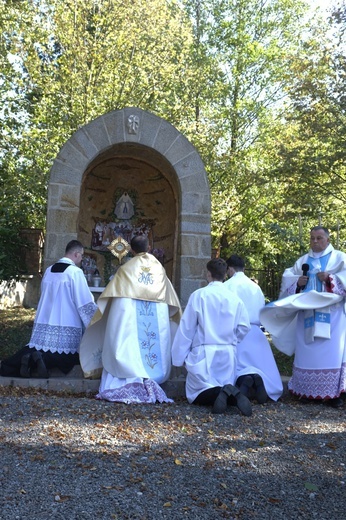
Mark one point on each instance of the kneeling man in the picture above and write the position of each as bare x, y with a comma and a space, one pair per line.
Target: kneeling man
129, 338
65, 309
206, 343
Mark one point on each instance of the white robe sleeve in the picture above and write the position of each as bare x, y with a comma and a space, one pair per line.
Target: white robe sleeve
184, 336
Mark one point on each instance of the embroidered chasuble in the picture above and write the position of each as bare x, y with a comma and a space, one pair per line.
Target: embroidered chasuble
131, 333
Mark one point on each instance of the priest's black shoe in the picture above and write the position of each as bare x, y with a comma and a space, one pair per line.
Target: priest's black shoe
220, 404
245, 385
25, 365
242, 401
260, 391
243, 404
41, 369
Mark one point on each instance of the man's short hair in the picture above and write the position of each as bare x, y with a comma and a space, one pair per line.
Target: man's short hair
236, 262
140, 244
73, 245
318, 228
217, 267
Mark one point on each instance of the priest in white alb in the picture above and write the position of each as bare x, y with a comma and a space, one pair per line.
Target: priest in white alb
206, 343
129, 339
309, 320
257, 373
65, 309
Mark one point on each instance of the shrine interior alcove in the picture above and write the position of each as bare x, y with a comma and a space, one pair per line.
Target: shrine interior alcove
144, 180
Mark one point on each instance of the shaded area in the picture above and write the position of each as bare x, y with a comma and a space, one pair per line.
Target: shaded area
93, 459
16, 325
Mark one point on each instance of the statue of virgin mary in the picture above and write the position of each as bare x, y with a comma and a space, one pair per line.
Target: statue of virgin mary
124, 208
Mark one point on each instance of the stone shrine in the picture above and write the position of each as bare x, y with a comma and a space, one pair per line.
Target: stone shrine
130, 172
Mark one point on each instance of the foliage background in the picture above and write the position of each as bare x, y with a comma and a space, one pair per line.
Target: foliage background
258, 86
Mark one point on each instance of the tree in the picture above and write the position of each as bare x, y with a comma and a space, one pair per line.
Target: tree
313, 145
256, 87
66, 62
253, 43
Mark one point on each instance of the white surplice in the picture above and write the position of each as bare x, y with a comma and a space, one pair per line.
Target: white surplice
254, 354
65, 309
319, 369
207, 338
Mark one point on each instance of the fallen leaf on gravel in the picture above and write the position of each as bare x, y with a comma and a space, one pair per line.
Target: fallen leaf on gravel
37, 457
178, 462
57, 434
167, 504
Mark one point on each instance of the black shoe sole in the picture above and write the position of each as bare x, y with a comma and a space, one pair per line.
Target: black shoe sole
220, 404
246, 385
244, 405
261, 394
41, 371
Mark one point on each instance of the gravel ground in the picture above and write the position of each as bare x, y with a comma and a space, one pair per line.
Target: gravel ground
73, 457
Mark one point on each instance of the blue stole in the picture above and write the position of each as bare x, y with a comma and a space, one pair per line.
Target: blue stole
316, 265
149, 338
316, 322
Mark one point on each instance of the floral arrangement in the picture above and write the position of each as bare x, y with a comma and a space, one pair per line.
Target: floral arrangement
158, 253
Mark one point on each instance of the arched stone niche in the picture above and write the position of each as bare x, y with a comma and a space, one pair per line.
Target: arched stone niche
134, 151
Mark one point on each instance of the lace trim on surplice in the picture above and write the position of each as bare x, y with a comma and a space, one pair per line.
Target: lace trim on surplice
55, 338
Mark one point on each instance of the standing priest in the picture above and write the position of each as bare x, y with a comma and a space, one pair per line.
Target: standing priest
310, 321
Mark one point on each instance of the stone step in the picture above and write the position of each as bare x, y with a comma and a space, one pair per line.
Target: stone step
74, 383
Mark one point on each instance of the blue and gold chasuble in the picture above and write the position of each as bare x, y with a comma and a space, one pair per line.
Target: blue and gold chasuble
129, 335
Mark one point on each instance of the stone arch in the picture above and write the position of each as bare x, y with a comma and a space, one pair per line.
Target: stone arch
151, 143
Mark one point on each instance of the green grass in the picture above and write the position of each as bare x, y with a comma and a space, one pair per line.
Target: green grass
16, 325
284, 362
15, 329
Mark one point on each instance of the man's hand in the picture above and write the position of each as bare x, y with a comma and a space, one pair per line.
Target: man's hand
302, 281
323, 277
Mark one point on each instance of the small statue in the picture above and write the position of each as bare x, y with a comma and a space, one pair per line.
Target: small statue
124, 208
